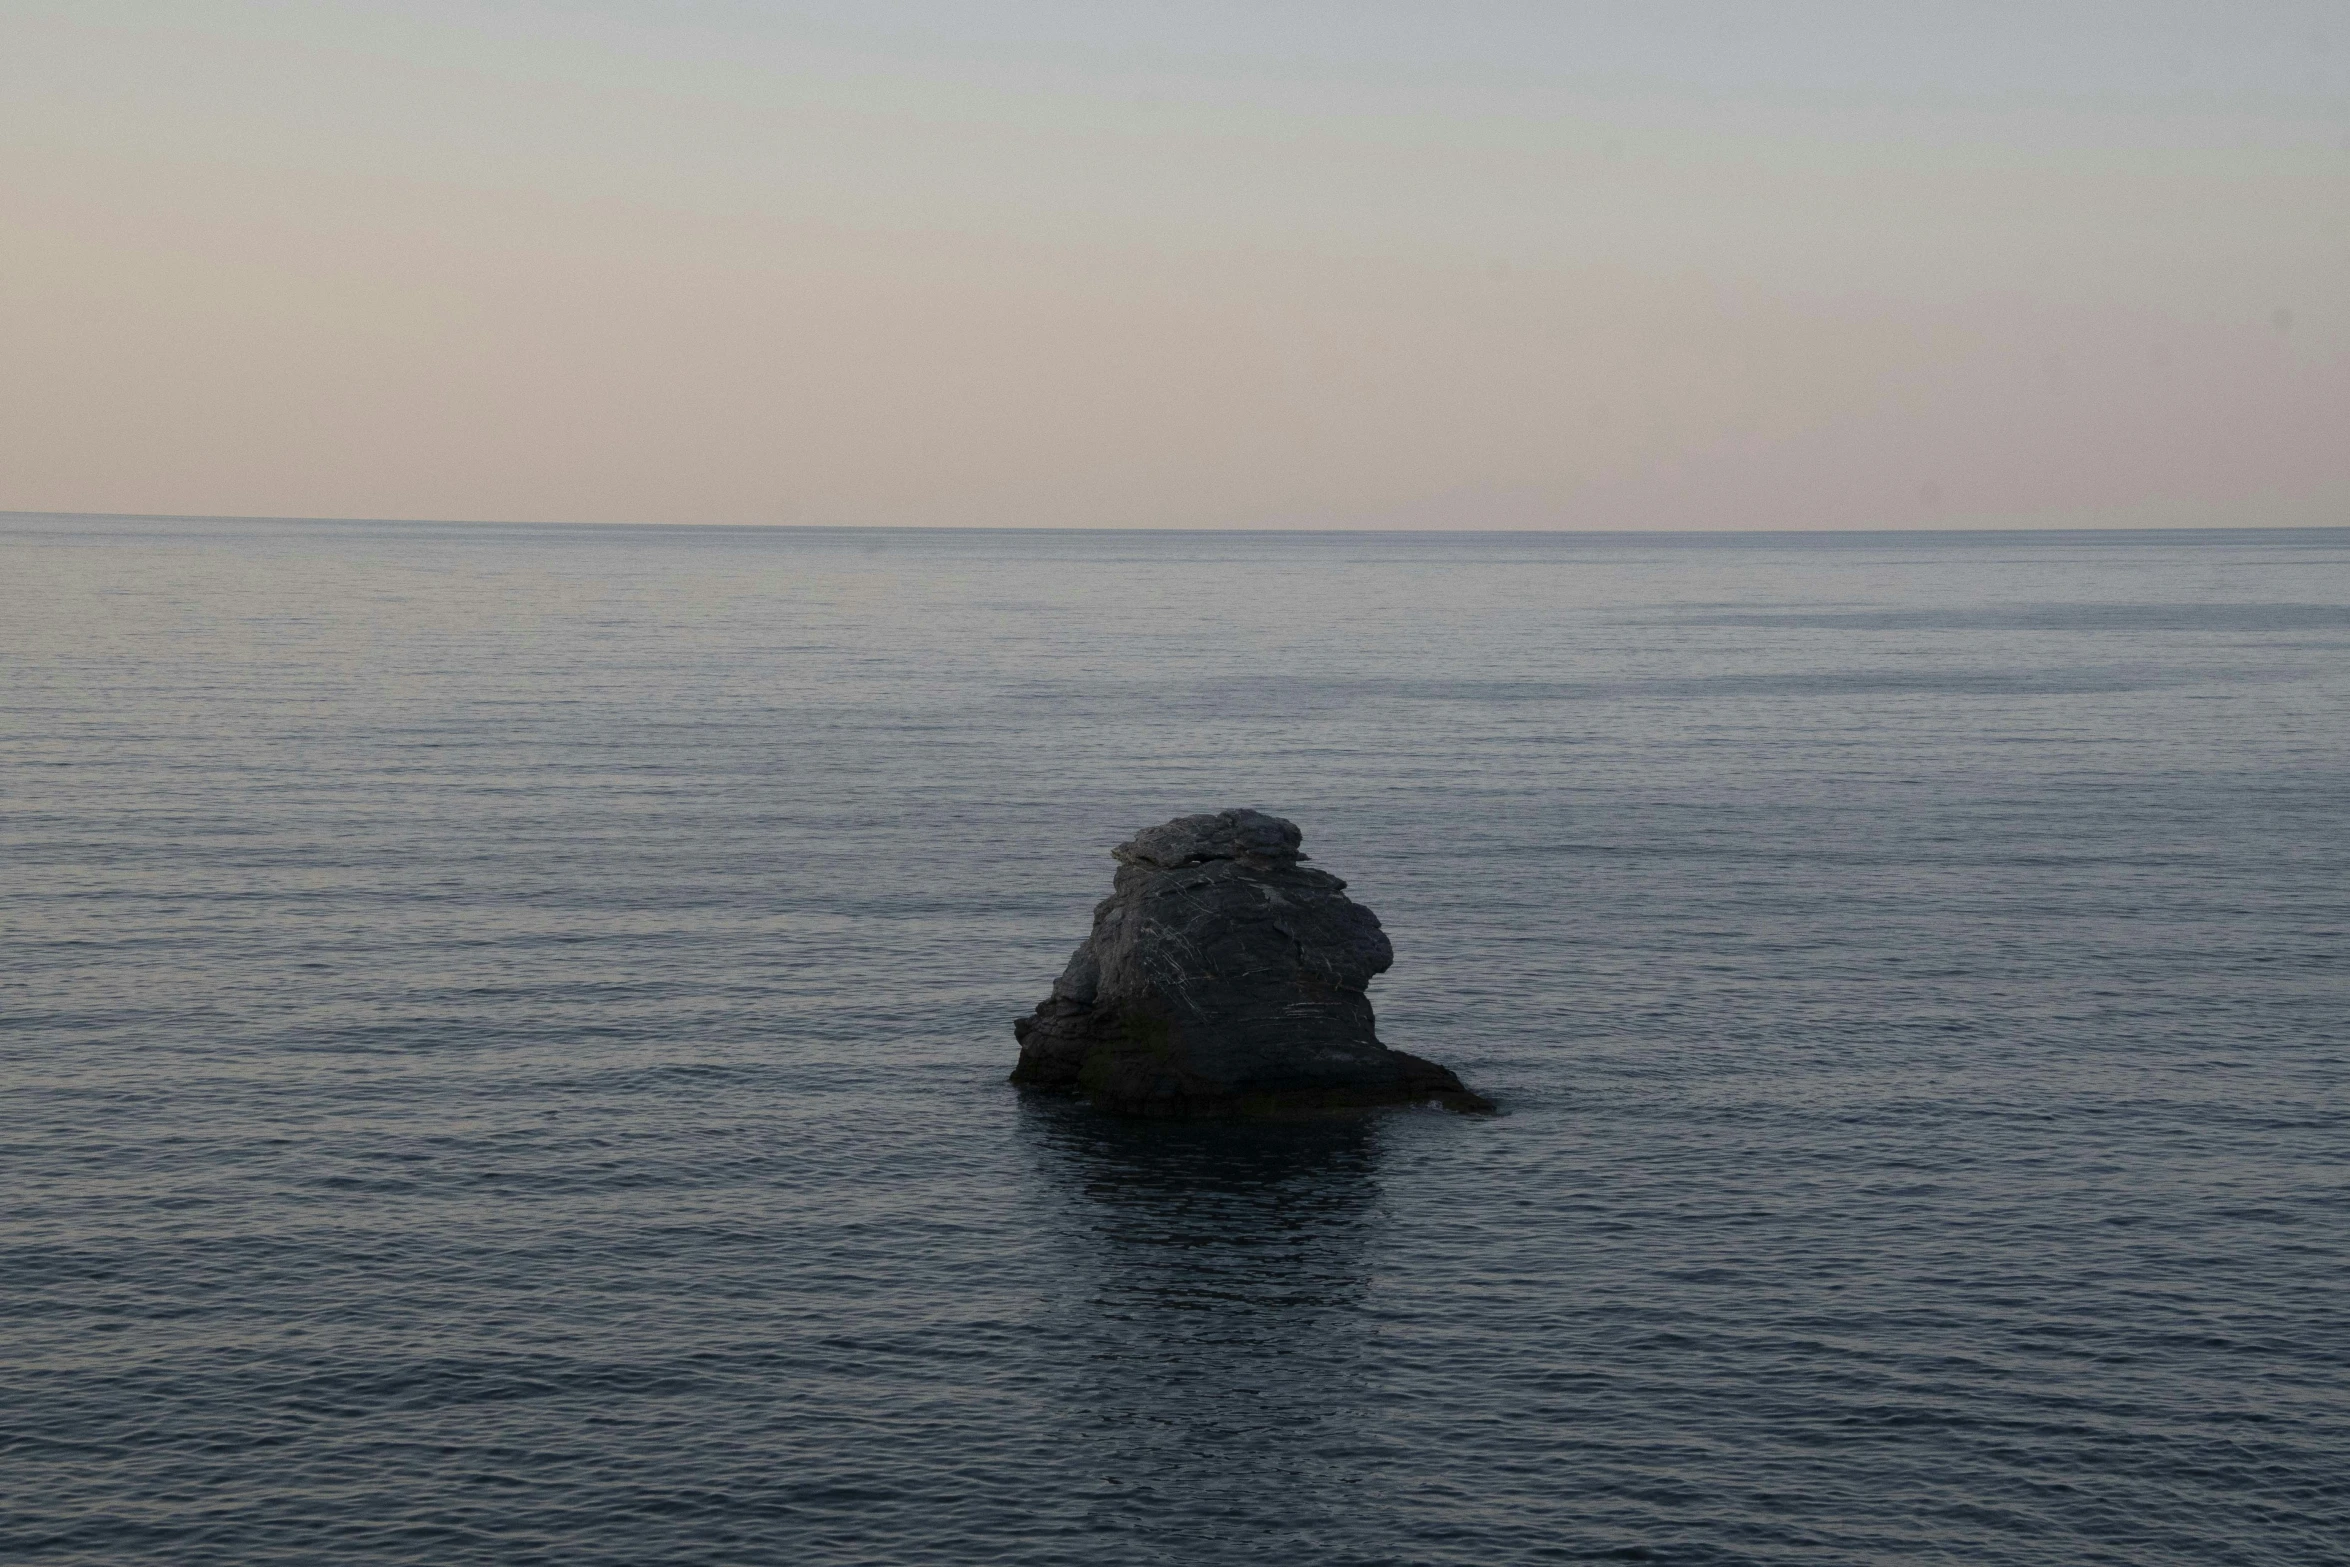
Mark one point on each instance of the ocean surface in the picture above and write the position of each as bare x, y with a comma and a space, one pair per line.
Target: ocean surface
503, 1036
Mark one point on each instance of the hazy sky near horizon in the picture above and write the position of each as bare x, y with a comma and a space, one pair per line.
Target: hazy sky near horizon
1487, 265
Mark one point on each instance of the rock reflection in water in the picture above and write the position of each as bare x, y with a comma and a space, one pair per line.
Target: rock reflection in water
1218, 1347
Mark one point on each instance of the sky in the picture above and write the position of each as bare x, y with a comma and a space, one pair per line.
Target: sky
1285, 264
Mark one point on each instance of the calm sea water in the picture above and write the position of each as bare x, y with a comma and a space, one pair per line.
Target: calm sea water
503, 1036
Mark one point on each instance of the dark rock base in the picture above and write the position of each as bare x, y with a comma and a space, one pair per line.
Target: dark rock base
1127, 1066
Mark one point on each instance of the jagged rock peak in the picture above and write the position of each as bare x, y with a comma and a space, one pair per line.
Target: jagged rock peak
1220, 835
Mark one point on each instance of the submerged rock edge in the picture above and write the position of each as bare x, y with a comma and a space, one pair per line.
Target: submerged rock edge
1225, 978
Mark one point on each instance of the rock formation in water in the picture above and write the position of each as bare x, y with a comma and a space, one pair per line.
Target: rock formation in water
1224, 977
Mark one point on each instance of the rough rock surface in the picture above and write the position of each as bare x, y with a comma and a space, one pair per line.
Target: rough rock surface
1224, 977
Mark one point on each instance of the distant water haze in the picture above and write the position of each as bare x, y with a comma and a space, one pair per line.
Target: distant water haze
1493, 266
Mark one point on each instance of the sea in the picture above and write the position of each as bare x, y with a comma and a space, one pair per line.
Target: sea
503, 1037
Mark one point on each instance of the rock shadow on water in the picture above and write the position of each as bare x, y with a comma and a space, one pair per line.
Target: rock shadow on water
1214, 1340
1187, 1198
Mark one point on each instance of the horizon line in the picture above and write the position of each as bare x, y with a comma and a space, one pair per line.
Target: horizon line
13, 515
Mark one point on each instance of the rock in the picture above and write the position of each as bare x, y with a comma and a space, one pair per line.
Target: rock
1224, 977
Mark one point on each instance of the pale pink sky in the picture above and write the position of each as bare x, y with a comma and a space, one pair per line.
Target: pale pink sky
1497, 265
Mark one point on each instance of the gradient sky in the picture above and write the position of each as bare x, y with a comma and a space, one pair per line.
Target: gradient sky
1295, 264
